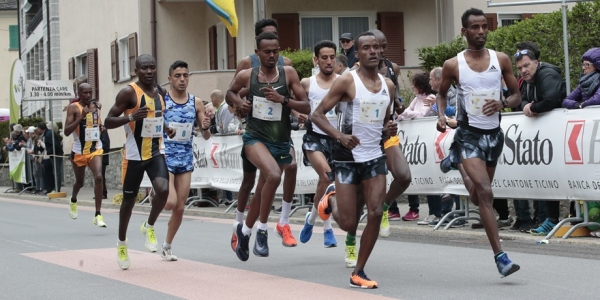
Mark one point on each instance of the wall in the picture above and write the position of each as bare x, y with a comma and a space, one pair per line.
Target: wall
7, 17
419, 17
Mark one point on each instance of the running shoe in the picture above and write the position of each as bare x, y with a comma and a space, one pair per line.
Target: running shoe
394, 215
502, 225
360, 280
234, 237
167, 254
544, 228
261, 245
307, 230
123, 256
241, 248
329, 238
446, 165
384, 228
73, 210
151, 244
99, 221
285, 232
428, 220
411, 216
324, 208
506, 266
351, 256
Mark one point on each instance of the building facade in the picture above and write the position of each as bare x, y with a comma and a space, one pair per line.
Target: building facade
9, 46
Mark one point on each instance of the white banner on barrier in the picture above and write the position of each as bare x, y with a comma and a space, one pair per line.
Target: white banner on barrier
555, 155
16, 165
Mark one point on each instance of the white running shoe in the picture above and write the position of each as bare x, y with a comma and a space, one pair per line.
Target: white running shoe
167, 254
99, 221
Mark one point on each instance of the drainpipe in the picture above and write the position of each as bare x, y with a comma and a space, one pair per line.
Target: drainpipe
153, 27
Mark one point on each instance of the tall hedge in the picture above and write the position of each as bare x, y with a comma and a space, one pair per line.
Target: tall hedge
302, 60
583, 27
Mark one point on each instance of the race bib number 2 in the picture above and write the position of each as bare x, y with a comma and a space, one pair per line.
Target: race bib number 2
152, 127
264, 109
372, 111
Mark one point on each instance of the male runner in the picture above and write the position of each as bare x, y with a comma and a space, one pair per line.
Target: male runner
140, 108
182, 110
249, 170
478, 141
268, 129
83, 120
365, 99
317, 145
395, 161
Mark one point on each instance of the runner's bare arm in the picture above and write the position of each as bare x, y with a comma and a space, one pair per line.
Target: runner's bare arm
244, 64
511, 82
201, 119
337, 93
73, 119
232, 96
300, 101
125, 100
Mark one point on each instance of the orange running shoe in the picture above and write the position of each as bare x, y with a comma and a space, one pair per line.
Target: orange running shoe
285, 232
324, 208
234, 238
360, 280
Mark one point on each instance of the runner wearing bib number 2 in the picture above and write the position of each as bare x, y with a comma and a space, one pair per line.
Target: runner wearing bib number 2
478, 141
139, 108
268, 130
364, 99
182, 110
83, 120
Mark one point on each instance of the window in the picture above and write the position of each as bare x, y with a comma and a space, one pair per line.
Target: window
507, 20
81, 64
222, 48
123, 59
13, 32
123, 53
330, 27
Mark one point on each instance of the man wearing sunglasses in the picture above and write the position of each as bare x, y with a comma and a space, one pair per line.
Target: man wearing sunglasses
347, 42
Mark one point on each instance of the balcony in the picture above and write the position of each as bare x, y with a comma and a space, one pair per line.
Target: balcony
35, 21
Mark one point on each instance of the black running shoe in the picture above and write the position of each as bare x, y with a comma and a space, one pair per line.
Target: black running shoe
261, 247
242, 250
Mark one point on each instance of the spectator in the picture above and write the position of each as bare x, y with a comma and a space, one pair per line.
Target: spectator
209, 111
235, 125
347, 48
419, 108
105, 139
435, 79
222, 116
341, 64
544, 90
587, 92
53, 162
40, 155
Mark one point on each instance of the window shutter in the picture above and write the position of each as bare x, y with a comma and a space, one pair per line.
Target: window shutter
13, 32
114, 60
527, 16
92, 71
71, 68
231, 52
492, 20
132, 44
288, 30
212, 45
392, 25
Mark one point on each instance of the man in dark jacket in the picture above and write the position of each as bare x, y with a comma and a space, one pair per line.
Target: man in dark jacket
544, 86
52, 165
347, 43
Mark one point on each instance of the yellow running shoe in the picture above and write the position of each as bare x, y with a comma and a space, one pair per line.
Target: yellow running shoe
151, 244
99, 221
73, 210
123, 256
384, 229
351, 256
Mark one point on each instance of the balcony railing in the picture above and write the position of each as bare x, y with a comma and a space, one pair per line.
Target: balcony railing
35, 21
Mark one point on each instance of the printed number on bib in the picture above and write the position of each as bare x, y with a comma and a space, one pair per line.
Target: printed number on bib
264, 109
477, 100
92, 134
183, 132
330, 115
152, 127
372, 111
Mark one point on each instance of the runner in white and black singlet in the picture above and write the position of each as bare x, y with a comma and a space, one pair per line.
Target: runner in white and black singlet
364, 100
478, 141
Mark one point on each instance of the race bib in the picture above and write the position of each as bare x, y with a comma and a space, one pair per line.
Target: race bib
152, 127
264, 109
477, 100
183, 132
330, 115
372, 111
92, 134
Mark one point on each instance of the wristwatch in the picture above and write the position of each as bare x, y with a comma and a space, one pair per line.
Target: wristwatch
286, 100
504, 103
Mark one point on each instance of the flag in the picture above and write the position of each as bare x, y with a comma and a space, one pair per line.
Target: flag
17, 87
225, 10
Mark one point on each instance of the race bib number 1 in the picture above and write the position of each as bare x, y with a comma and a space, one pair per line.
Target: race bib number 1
92, 134
330, 115
152, 127
264, 109
477, 100
372, 111
183, 132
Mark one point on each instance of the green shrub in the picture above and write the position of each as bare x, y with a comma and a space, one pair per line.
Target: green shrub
583, 25
302, 60
30, 121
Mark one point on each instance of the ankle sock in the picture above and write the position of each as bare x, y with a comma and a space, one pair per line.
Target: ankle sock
263, 226
312, 218
327, 224
166, 245
386, 207
239, 216
498, 255
285, 213
246, 230
350, 240
73, 200
97, 214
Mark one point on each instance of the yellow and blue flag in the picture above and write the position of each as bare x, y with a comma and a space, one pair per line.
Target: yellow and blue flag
225, 10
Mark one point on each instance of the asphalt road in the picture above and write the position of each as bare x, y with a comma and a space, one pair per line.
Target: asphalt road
49, 256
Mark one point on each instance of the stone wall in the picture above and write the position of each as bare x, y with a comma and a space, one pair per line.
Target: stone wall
113, 172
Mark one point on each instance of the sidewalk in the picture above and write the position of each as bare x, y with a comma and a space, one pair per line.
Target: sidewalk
86, 194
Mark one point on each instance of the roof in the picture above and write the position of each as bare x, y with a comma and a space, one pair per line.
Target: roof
8, 4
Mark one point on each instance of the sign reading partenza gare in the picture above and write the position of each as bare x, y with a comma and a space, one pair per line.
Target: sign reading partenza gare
36, 90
